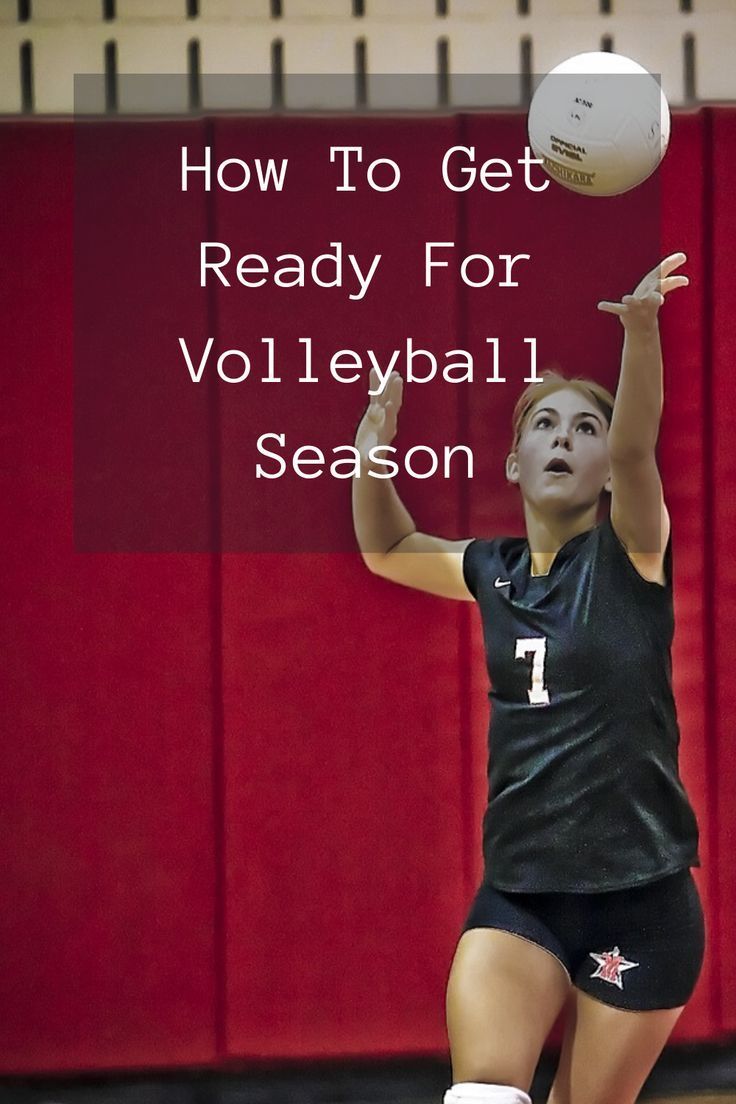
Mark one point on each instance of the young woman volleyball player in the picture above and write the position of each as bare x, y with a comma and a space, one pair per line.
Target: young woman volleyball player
587, 898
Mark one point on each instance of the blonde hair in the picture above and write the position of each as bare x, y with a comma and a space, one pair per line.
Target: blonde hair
549, 382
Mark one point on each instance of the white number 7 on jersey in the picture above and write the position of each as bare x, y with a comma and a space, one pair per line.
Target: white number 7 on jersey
537, 647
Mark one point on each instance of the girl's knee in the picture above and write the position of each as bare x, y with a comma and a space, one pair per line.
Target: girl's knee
480, 1092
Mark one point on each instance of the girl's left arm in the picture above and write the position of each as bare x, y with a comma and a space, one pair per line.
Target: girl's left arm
638, 512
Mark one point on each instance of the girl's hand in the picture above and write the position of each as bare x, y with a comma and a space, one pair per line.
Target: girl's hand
378, 424
638, 312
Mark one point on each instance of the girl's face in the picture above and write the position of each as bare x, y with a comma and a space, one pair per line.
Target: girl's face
561, 462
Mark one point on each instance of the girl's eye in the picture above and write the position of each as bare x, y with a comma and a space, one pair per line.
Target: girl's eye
540, 421
588, 426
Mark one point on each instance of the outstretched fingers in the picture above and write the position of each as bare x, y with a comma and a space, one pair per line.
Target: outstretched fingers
613, 308
391, 392
383, 407
663, 269
671, 282
660, 274
653, 287
669, 263
395, 390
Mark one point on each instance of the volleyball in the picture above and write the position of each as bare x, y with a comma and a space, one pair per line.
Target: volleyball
600, 123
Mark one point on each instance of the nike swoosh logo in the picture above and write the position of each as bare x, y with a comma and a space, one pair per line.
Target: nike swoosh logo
501, 582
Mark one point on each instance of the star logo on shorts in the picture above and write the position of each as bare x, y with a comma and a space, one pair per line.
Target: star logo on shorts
611, 964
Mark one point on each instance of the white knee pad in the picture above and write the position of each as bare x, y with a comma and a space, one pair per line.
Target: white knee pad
475, 1092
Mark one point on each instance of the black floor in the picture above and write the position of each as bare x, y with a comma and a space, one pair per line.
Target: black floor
681, 1069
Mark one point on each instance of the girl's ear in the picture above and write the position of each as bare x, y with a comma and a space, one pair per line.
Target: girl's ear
512, 468
607, 485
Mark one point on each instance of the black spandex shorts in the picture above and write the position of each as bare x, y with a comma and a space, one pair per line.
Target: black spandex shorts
639, 948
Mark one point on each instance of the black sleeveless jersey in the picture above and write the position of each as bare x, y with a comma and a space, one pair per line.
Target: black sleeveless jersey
584, 792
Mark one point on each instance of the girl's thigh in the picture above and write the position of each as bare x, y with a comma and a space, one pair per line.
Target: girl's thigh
607, 1052
503, 995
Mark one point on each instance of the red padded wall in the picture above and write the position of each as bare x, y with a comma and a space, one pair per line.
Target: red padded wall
107, 936
720, 304
342, 705
683, 458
